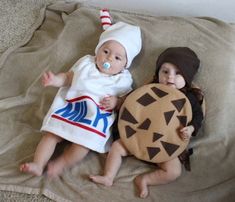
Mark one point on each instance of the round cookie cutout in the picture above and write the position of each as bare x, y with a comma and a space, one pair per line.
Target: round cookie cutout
149, 122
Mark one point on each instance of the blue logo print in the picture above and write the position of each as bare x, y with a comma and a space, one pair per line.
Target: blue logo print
77, 112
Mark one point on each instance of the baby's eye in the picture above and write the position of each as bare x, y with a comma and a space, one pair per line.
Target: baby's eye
117, 58
106, 51
165, 71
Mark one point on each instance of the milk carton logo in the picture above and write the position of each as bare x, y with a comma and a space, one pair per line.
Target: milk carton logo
77, 114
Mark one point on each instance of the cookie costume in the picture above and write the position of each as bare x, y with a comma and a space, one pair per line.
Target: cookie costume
152, 114
188, 63
149, 121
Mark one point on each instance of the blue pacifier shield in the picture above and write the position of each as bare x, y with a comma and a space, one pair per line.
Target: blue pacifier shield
106, 65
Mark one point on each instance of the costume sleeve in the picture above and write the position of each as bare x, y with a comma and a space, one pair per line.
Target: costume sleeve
197, 113
76, 66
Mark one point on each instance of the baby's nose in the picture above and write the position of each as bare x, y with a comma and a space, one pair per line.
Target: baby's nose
110, 58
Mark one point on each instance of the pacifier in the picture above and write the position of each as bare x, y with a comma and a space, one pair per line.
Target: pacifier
106, 65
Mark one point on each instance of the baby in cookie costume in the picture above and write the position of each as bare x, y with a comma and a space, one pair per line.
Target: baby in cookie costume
83, 109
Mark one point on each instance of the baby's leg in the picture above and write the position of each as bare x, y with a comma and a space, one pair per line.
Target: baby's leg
112, 164
167, 172
72, 155
43, 153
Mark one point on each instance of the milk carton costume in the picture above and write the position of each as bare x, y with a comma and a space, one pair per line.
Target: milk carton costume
75, 114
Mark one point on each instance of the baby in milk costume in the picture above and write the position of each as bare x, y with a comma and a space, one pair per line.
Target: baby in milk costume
83, 109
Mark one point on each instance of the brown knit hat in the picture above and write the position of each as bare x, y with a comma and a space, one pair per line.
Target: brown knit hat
184, 58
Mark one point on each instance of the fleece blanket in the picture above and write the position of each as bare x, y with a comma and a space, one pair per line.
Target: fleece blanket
70, 31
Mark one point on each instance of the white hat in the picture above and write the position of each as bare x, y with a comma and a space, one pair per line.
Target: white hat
127, 35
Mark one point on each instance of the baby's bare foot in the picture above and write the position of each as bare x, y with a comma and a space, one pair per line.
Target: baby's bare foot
32, 168
141, 186
104, 180
55, 168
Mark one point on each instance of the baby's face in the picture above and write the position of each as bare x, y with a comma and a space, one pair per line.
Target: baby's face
170, 75
114, 55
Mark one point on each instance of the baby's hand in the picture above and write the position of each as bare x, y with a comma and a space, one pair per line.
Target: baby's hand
109, 102
186, 132
48, 79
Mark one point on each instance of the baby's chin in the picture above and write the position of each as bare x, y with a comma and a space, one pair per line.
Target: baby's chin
171, 85
104, 71
101, 69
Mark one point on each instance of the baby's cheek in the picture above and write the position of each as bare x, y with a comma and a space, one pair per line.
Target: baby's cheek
180, 81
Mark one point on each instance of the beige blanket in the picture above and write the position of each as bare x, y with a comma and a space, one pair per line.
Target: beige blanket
69, 32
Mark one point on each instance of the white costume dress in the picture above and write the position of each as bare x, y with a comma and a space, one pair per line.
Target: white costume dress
75, 114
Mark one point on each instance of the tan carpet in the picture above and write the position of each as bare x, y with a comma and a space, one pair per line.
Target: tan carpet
16, 18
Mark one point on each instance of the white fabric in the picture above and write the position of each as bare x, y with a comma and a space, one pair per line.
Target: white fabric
129, 36
75, 114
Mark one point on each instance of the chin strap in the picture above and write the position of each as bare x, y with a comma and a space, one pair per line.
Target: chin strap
105, 19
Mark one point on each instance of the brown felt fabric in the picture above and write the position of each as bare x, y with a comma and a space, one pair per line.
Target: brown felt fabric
160, 111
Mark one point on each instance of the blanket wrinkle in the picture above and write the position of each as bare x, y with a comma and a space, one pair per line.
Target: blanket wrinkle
20, 100
65, 32
214, 37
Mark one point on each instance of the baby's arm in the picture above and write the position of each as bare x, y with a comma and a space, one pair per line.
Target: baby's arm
57, 80
186, 132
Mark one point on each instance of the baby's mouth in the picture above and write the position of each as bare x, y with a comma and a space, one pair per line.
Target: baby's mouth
170, 83
106, 65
